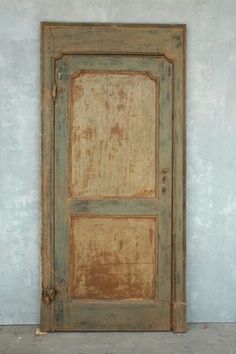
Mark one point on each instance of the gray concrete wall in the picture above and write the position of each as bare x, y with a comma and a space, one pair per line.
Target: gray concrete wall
211, 149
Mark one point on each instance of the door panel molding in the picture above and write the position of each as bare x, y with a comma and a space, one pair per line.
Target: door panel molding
60, 40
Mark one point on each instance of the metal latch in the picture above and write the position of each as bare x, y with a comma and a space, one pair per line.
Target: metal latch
49, 295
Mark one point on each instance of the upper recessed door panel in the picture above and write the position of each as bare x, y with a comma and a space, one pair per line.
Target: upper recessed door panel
118, 161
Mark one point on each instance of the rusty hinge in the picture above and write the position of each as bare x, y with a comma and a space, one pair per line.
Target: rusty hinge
48, 296
54, 91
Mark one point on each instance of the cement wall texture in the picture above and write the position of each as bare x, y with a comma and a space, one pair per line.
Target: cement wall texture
211, 145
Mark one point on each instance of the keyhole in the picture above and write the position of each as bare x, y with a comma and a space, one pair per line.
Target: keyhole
163, 189
164, 179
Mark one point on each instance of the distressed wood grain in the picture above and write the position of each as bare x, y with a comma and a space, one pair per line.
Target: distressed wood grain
47, 178
113, 135
112, 258
114, 207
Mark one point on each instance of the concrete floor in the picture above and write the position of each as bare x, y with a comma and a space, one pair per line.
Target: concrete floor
200, 339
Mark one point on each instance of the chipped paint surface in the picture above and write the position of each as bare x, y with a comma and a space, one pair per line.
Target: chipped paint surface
113, 137
113, 258
211, 111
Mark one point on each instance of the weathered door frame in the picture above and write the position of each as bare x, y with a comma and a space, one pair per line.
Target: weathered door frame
170, 42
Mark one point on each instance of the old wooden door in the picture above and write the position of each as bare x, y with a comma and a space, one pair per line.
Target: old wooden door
112, 187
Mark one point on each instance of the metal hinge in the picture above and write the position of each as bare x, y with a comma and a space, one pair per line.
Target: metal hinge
49, 296
54, 91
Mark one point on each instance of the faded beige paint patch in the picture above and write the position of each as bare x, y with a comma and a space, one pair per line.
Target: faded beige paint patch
113, 135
